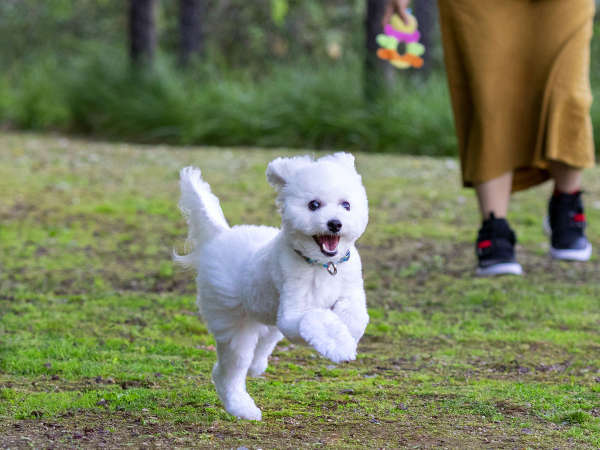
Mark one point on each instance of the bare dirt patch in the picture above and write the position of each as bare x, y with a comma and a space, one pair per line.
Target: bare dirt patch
119, 430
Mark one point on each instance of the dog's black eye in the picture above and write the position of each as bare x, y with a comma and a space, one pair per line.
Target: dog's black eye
346, 206
313, 205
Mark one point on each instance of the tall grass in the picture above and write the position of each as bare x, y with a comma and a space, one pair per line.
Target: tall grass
306, 105
300, 106
32, 96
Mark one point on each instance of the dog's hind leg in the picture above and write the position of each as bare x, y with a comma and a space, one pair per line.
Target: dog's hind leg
229, 373
266, 343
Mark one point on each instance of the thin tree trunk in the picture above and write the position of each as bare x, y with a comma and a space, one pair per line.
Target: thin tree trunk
142, 33
190, 29
378, 74
426, 13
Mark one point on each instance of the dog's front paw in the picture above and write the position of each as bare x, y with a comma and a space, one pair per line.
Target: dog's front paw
328, 335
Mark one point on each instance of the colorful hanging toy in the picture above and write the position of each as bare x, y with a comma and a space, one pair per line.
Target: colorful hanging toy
396, 32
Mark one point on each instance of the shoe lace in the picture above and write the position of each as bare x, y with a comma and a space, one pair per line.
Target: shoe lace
493, 228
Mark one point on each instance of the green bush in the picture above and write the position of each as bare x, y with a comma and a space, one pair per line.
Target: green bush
304, 105
39, 101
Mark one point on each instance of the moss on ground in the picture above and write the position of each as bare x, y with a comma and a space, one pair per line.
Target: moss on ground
100, 343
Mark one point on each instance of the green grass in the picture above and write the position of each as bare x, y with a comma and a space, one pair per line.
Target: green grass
100, 343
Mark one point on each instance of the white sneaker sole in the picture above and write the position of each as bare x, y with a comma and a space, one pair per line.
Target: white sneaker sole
500, 269
583, 254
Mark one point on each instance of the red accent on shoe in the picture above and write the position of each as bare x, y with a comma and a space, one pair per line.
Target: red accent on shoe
484, 244
579, 218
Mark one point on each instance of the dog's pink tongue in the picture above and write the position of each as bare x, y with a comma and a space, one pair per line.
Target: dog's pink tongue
330, 243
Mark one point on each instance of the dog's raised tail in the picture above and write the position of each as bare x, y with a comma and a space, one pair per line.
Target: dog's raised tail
202, 211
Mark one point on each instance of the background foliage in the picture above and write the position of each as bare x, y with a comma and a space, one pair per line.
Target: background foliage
237, 33
273, 73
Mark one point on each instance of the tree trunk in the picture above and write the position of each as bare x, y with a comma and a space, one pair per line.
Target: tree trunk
142, 33
426, 13
190, 29
378, 73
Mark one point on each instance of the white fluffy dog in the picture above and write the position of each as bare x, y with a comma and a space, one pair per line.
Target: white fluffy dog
303, 280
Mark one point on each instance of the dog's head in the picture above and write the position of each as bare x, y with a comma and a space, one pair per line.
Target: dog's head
322, 202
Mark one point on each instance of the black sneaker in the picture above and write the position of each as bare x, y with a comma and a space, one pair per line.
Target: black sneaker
566, 226
496, 249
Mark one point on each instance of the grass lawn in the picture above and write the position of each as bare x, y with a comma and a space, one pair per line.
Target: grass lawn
100, 343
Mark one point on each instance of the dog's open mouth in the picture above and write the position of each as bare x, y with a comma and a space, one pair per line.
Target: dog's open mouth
328, 243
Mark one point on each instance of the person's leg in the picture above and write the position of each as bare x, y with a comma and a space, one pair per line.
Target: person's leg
495, 244
567, 179
494, 196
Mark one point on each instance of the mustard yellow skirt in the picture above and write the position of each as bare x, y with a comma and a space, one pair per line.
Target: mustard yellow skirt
518, 73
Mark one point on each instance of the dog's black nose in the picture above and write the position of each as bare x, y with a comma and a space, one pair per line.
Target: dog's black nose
334, 225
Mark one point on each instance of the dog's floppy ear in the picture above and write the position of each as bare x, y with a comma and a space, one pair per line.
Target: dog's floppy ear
342, 158
280, 170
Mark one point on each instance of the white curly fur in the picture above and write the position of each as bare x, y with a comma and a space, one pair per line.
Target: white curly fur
253, 286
